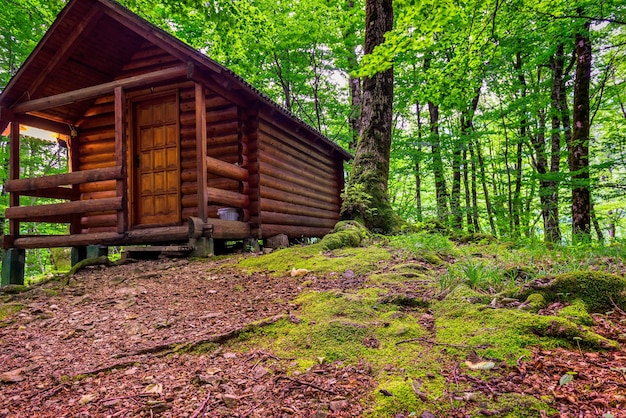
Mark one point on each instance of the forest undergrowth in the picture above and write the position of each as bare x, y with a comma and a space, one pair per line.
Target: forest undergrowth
411, 325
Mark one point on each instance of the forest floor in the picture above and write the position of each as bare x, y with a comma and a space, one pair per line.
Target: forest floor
298, 333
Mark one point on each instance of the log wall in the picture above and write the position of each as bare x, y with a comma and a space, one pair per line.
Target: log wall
299, 184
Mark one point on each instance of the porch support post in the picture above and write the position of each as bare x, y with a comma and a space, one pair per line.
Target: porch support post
121, 159
78, 254
201, 153
14, 174
13, 261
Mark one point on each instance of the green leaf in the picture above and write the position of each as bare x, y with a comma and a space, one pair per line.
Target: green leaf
565, 379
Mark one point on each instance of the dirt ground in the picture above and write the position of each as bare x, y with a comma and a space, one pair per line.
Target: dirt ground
115, 342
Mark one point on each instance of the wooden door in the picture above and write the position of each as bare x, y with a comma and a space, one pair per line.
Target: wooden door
156, 161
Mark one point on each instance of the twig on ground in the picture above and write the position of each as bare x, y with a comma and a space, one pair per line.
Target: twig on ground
616, 307
200, 409
300, 382
251, 410
424, 340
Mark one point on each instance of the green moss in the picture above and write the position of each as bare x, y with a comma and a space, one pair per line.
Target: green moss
345, 234
318, 261
598, 290
504, 334
6, 310
431, 258
475, 238
577, 313
536, 301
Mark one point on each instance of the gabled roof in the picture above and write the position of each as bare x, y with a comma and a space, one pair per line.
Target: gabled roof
90, 42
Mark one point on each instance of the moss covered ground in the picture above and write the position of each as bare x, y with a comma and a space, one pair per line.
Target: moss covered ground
434, 318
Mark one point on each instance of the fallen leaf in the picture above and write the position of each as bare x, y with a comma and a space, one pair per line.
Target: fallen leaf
13, 376
481, 365
85, 399
298, 272
565, 379
154, 389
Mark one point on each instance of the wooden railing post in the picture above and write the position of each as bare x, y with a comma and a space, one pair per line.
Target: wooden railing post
121, 159
201, 152
14, 174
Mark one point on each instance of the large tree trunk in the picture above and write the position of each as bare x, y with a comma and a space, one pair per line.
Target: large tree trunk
366, 193
440, 180
579, 146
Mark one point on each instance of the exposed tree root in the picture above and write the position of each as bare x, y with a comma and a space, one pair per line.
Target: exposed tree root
185, 345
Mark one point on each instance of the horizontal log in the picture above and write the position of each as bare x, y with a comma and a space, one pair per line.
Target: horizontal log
25, 213
189, 201
295, 220
267, 143
140, 236
271, 205
188, 118
301, 170
291, 143
95, 91
270, 193
78, 240
269, 230
288, 176
93, 221
98, 147
218, 129
229, 229
97, 166
104, 121
96, 158
97, 186
104, 194
267, 180
98, 229
101, 134
219, 115
217, 151
54, 219
281, 159
187, 212
149, 61
165, 234
99, 109
54, 193
227, 198
77, 177
321, 143
224, 169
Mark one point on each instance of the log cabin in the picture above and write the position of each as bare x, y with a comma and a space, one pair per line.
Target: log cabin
165, 145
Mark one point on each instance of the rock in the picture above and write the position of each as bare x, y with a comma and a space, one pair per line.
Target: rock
230, 400
277, 241
259, 372
13, 376
339, 405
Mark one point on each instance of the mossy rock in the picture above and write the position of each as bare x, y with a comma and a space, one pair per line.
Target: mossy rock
431, 258
598, 290
536, 301
345, 234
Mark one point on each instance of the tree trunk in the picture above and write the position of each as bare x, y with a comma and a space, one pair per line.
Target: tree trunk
467, 130
483, 180
418, 158
550, 209
440, 180
468, 199
579, 146
366, 193
455, 191
470, 145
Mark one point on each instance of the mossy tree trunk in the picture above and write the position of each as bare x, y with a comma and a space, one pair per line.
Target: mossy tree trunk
366, 192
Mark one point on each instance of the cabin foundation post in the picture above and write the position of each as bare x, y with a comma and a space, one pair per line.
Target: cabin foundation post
202, 247
97, 251
13, 261
78, 254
